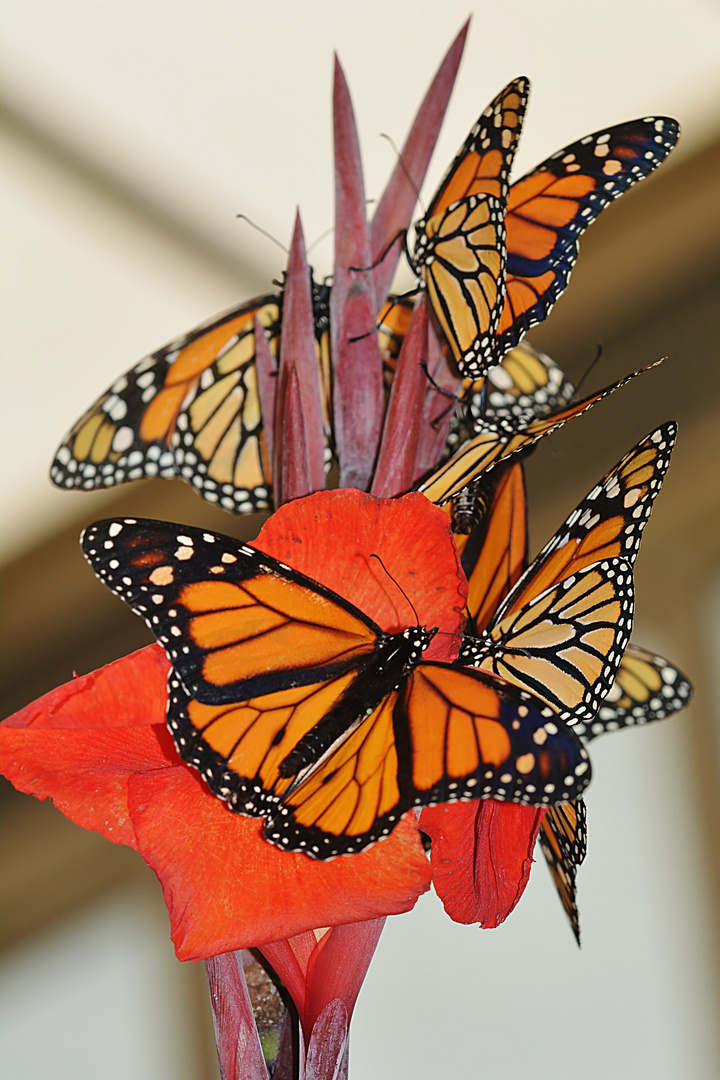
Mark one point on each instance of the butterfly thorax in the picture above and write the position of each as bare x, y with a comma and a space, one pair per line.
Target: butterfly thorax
377, 676
473, 651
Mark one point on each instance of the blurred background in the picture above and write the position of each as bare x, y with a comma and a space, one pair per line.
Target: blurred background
134, 133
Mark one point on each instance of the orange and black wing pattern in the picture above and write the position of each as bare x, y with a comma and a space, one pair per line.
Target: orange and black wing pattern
444, 735
494, 554
563, 628
482, 164
296, 707
647, 688
550, 208
501, 436
563, 840
191, 409
526, 385
459, 251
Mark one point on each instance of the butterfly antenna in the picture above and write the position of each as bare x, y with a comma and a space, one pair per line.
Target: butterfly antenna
259, 228
320, 238
404, 168
589, 368
398, 586
436, 386
363, 269
393, 301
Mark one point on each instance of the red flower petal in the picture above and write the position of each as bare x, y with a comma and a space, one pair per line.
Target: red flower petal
226, 888
80, 744
126, 693
481, 856
330, 535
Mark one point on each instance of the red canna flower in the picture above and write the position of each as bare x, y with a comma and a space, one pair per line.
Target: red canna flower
99, 748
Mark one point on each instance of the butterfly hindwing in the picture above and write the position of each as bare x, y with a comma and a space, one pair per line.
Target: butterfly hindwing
525, 386
463, 268
563, 840
565, 644
445, 735
647, 688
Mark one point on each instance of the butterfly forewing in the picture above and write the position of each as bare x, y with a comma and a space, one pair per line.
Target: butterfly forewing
496, 552
497, 440
550, 208
482, 165
609, 521
227, 615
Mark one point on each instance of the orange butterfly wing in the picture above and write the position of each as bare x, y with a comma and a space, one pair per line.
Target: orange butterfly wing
168, 416
562, 630
444, 735
459, 250
550, 208
563, 840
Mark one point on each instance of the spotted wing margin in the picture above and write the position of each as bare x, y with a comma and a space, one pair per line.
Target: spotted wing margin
131, 430
525, 386
565, 645
495, 442
482, 165
647, 688
563, 840
446, 734
235, 623
550, 208
608, 523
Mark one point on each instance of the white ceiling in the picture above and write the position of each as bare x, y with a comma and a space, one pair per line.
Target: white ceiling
212, 108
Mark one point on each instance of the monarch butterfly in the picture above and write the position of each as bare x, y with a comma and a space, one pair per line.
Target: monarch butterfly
329, 728
536, 222
191, 409
459, 251
646, 688
538, 638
